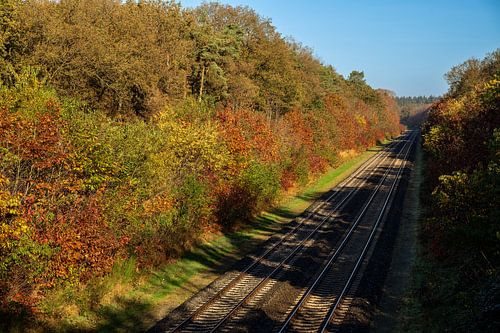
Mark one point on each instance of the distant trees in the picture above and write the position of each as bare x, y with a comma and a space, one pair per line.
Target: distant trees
408, 100
413, 109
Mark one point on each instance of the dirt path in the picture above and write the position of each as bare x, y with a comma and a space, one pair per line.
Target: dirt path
388, 315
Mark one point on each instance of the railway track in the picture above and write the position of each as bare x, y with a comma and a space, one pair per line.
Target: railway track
318, 237
320, 301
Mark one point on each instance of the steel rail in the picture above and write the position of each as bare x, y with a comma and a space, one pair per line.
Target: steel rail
342, 245
300, 246
365, 248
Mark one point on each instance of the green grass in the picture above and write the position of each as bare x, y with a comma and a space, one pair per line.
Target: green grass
127, 301
330, 179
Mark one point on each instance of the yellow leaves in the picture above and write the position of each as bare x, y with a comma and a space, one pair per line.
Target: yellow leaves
494, 85
434, 139
12, 226
361, 120
12, 231
455, 105
194, 147
9, 203
491, 91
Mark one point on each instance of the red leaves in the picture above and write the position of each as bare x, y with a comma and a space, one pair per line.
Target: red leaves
36, 140
80, 208
68, 238
288, 179
300, 129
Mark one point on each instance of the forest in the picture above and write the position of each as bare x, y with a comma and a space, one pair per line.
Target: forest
128, 130
458, 285
414, 109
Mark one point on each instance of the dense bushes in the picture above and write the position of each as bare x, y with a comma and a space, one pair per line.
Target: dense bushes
119, 143
461, 140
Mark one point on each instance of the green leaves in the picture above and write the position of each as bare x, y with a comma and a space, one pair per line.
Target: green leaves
461, 138
262, 183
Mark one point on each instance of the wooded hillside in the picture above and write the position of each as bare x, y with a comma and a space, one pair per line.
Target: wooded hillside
128, 129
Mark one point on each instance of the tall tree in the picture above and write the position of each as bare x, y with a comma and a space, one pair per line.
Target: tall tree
10, 36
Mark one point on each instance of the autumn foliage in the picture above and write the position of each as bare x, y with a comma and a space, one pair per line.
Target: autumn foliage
461, 234
195, 124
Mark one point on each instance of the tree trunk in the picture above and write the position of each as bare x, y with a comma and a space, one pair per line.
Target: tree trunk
202, 82
185, 87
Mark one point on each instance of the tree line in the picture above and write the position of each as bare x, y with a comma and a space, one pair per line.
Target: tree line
413, 109
129, 129
408, 100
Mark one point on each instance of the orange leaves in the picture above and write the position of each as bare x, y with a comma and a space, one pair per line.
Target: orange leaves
360, 123
85, 190
36, 139
85, 244
233, 135
51, 229
318, 164
288, 179
162, 202
249, 135
300, 129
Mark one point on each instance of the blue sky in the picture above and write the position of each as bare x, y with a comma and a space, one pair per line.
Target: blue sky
405, 46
